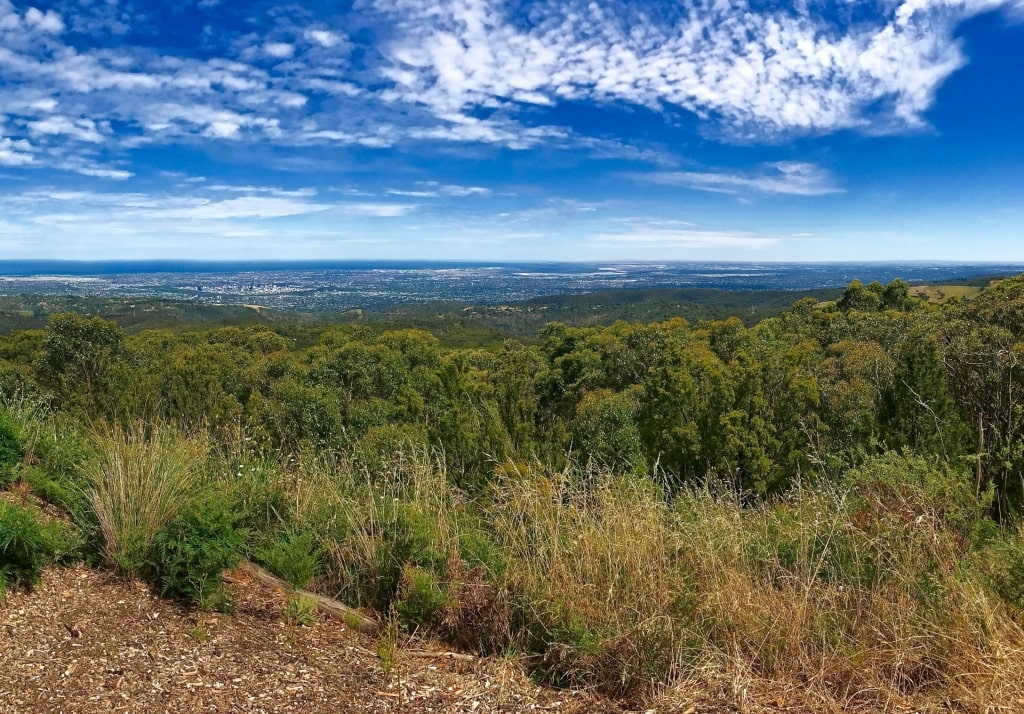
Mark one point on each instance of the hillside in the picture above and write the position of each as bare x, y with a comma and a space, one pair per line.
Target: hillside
817, 512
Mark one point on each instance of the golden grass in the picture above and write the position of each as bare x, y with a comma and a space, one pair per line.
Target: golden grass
834, 598
138, 479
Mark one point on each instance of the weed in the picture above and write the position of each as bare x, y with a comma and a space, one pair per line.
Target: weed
419, 597
300, 610
387, 647
11, 447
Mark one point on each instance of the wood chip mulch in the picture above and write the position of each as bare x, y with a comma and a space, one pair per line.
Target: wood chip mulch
86, 641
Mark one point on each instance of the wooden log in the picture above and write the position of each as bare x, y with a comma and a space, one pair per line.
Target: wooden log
424, 654
351, 617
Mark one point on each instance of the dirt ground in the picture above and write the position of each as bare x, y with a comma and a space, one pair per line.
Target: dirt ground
85, 641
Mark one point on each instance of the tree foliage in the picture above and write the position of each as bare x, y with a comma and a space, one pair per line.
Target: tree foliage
803, 395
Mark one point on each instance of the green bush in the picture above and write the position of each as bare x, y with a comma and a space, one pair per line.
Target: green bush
259, 498
408, 536
894, 490
61, 455
11, 447
27, 544
419, 597
1003, 565
192, 551
293, 556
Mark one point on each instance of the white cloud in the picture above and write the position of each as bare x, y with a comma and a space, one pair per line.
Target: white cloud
377, 210
784, 177
434, 189
664, 239
15, 153
80, 129
98, 172
244, 207
280, 50
48, 21
758, 70
325, 38
469, 71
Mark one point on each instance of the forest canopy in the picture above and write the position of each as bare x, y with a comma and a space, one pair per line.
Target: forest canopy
797, 397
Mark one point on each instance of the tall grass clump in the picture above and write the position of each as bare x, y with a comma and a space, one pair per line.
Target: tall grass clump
864, 592
138, 479
597, 593
389, 537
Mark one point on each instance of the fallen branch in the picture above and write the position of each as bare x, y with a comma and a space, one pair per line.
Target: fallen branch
351, 617
423, 654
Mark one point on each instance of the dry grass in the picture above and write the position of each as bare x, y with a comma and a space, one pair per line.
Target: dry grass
138, 479
621, 590
867, 596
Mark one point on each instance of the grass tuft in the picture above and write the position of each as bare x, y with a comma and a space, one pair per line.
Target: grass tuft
138, 480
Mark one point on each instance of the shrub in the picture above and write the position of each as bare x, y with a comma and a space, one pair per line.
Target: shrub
11, 448
137, 482
191, 552
257, 492
1003, 566
293, 556
27, 544
300, 610
419, 597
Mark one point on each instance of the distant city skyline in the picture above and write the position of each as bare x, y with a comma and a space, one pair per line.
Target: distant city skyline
478, 130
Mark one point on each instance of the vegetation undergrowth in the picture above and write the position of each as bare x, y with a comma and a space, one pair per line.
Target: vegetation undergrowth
28, 543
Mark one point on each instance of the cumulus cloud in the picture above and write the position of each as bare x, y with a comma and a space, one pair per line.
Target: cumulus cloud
48, 21
15, 153
80, 129
792, 178
325, 38
280, 50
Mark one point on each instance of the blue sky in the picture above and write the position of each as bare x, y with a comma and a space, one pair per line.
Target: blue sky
487, 130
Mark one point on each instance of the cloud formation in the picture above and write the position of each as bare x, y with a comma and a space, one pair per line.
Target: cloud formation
792, 178
758, 71
471, 72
